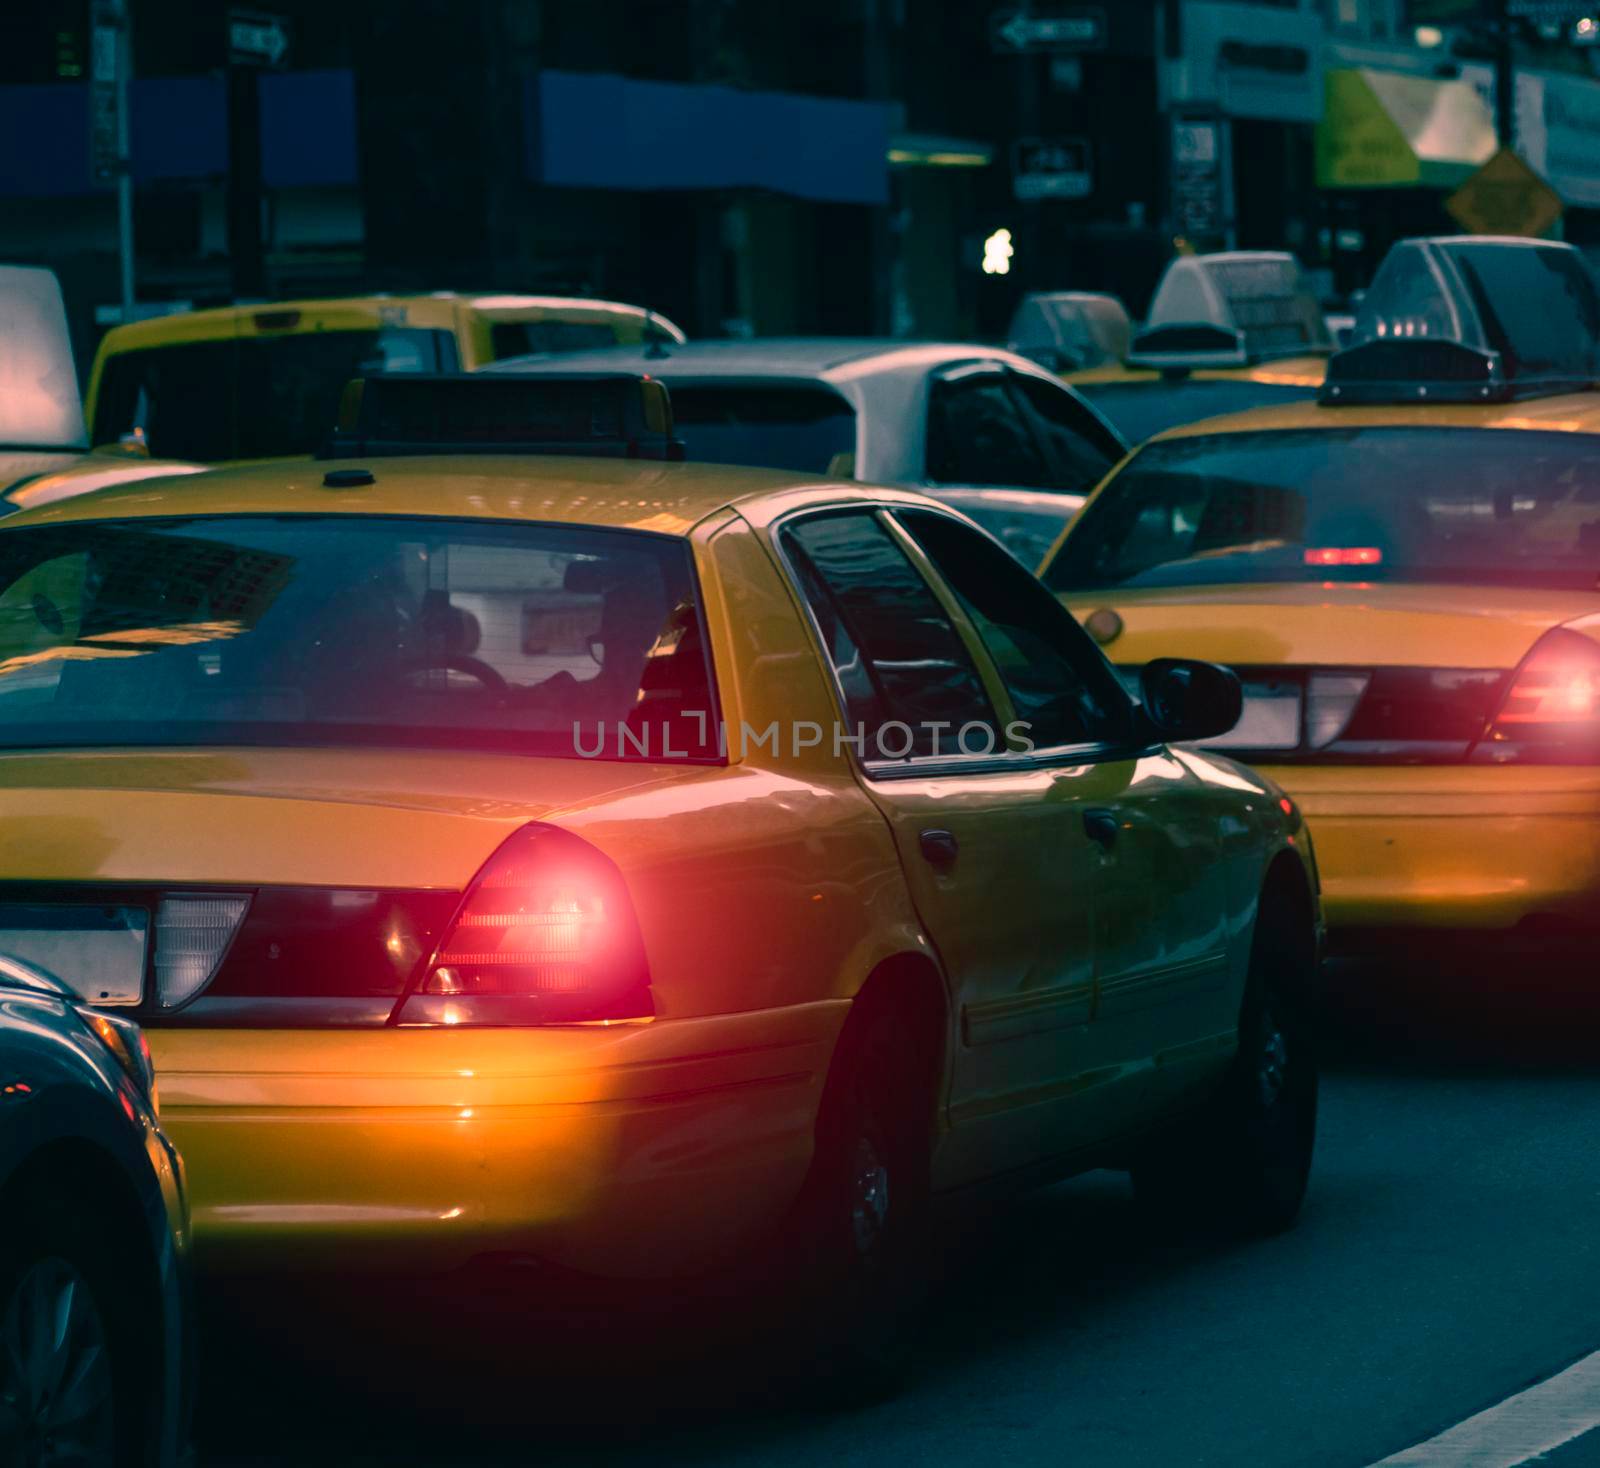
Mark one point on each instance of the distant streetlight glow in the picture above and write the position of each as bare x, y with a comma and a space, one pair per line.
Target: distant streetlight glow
1429, 36
997, 253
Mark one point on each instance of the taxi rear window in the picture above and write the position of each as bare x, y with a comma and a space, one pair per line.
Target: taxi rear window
253, 397
1470, 506
803, 429
1140, 410
550, 338
353, 630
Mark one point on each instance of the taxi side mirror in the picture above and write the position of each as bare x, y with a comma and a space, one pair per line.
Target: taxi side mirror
1188, 701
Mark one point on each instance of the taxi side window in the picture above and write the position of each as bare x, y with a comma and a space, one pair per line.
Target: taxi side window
909, 683
1058, 682
1082, 448
977, 435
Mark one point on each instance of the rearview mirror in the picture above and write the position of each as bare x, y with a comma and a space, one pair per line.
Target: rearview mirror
1188, 701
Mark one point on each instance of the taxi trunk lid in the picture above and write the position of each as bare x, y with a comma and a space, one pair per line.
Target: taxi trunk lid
1343, 671
1334, 624
320, 879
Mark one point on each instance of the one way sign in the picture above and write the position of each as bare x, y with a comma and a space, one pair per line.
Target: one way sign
257, 40
1076, 28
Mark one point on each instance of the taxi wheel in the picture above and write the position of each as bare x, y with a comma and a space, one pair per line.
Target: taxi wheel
1245, 1161
864, 1210
72, 1386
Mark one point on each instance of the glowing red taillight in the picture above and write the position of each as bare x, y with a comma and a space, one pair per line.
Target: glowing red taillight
545, 934
1552, 707
1343, 555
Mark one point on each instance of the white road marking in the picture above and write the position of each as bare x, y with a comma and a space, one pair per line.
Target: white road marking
1534, 1421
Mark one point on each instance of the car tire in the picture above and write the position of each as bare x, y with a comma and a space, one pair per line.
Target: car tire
83, 1394
862, 1216
1245, 1161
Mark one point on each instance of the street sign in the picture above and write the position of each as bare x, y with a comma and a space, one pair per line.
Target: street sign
105, 61
1199, 176
1052, 168
1505, 196
1070, 28
255, 39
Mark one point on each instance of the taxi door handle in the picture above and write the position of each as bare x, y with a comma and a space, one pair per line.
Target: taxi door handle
1101, 827
939, 848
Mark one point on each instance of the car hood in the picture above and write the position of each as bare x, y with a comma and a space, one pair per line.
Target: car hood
1321, 625
359, 818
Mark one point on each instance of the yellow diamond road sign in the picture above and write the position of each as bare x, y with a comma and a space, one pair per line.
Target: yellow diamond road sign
1505, 196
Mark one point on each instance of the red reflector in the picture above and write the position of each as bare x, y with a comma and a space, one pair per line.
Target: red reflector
1343, 555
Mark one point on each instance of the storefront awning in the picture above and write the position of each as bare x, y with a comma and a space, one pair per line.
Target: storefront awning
1383, 129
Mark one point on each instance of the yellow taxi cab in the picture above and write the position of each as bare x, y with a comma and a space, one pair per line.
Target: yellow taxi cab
1226, 332
1406, 575
263, 381
620, 863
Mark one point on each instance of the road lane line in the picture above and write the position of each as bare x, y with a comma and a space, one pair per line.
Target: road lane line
1534, 1421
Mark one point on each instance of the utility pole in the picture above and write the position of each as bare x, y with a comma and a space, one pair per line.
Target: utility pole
110, 61
244, 182
1029, 99
1505, 79
255, 40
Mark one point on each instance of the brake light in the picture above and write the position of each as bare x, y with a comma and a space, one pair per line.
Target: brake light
546, 934
1552, 708
1343, 555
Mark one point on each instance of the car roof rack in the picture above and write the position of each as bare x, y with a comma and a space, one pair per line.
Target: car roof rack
610, 415
1471, 319
1231, 309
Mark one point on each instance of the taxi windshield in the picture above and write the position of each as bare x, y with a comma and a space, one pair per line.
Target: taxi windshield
1140, 410
257, 397
1477, 506
353, 630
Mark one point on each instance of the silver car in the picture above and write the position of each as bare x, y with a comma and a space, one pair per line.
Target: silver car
942, 418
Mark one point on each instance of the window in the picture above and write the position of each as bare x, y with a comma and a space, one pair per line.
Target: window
910, 686
1142, 409
977, 435
1062, 692
340, 630
550, 337
1082, 449
1497, 507
804, 429
255, 397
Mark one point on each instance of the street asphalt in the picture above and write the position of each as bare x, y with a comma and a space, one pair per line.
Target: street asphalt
1448, 1256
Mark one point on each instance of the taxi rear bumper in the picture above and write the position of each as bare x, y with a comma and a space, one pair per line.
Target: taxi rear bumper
1470, 849
632, 1150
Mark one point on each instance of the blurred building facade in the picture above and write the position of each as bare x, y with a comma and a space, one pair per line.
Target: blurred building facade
840, 166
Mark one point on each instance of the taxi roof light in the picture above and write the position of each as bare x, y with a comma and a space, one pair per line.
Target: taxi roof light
1230, 309
592, 415
1471, 319
1069, 331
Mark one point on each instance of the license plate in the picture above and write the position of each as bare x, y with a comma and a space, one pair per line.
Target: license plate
1271, 719
97, 951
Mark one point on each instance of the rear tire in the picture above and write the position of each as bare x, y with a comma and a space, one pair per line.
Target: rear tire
1245, 1161
862, 1217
